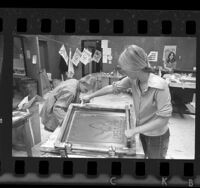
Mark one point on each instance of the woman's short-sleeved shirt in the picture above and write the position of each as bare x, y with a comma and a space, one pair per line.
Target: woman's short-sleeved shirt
155, 101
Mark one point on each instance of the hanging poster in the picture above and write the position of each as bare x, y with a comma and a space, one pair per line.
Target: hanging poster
86, 56
167, 50
76, 57
63, 53
97, 56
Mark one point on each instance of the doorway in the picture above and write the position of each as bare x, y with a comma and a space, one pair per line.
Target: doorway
44, 62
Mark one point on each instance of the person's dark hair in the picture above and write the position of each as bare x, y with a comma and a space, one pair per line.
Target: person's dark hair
171, 60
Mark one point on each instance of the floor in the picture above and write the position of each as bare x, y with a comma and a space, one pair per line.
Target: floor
182, 130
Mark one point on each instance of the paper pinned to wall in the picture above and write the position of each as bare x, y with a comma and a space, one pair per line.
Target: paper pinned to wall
97, 56
105, 59
34, 59
104, 43
76, 57
86, 56
110, 57
153, 56
167, 50
107, 51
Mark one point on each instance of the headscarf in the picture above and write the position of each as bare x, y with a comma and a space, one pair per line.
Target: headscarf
133, 58
89, 81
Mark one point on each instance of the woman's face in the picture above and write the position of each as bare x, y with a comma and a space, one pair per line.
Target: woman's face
171, 56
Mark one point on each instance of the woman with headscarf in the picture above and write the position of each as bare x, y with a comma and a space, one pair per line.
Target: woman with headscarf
58, 101
151, 98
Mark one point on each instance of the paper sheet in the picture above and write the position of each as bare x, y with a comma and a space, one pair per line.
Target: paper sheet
63, 53
34, 59
107, 51
153, 56
49, 143
97, 56
24, 101
76, 57
86, 56
104, 43
105, 58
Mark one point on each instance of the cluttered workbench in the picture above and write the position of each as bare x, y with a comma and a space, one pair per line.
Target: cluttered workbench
182, 88
99, 135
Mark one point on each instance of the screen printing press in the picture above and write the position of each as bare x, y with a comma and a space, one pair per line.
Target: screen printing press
94, 131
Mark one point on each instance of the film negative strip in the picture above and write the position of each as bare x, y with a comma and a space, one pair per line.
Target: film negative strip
99, 97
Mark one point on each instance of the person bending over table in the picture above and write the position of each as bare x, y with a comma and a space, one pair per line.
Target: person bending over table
58, 101
151, 98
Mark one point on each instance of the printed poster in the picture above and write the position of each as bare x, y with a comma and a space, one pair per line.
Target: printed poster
76, 57
86, 56
97, 56
167, 50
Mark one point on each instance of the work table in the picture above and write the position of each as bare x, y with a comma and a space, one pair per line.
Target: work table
43, 149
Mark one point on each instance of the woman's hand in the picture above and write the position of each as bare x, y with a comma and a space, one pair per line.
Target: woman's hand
86, 98
130, 133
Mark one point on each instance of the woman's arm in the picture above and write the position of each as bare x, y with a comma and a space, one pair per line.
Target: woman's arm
104, 91
147, 127
116, 87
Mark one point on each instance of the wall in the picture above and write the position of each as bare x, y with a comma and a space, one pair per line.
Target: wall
186, 48
53, 55
30, 43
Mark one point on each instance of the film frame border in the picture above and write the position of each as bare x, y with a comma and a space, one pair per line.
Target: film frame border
113, 23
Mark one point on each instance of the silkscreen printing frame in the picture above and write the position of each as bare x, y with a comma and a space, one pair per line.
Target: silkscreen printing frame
68, 148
